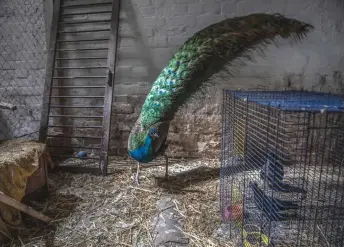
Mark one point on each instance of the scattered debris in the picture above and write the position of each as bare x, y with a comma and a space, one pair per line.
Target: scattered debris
167, 226
89, 210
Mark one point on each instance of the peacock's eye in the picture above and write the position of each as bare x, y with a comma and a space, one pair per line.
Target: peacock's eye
153, 132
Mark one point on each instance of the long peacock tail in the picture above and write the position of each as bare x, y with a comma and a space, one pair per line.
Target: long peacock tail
200, 57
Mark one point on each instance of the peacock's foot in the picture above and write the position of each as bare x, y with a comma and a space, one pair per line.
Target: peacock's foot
136, 181
137, 177
166, 163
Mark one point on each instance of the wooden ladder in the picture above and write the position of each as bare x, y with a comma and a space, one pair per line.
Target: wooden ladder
78, 93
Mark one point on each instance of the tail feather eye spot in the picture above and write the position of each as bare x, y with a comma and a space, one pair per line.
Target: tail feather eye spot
156, 104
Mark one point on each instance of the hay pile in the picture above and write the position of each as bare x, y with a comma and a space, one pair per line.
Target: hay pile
20, 153
18, 161
92, 210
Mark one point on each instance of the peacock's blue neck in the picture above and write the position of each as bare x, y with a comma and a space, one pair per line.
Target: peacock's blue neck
143, 154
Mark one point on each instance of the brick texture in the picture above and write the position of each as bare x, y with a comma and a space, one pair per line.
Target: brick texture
152, 30
159, 30
22, 65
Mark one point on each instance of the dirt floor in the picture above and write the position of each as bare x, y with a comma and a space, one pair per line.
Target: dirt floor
91, 210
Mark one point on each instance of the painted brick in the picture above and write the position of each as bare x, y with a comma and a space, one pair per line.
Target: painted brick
211, 8
21, 73
172, 10
21, 91
122, 108
140, 70
161, 57
127, 42
179, 9
195, 9
148, 11
150, 32
130, 90
186, 1
153, 21
142, 2
160, 3
228, 7
203, 21
158, 42
176, 40
187, 20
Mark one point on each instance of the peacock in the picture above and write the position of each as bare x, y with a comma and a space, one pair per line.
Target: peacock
206, 53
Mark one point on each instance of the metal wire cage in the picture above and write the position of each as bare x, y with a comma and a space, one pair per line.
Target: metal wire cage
22, 68
281, 173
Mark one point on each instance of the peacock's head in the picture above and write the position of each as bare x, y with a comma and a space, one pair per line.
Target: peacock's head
144, 143
140, 146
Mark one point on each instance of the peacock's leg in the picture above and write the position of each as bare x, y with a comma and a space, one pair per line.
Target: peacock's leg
166, 172
136, 179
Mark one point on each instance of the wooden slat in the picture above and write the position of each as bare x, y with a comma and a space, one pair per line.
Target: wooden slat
109, 86
89, 4
76, 169
53, 59
83, 22
49, 73
23, 208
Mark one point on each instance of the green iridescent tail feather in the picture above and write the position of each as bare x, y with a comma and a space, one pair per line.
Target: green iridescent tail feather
206, 53
203, 55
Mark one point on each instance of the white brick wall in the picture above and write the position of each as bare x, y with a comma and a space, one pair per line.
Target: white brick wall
22, 63
152, 30
165, 25
159, 27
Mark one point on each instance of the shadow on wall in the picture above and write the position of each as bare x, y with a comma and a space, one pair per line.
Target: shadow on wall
135, 74
286, 67
135, 66
136, 71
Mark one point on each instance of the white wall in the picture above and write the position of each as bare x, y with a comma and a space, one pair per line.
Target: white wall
165, 24
152, 30
22, 65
